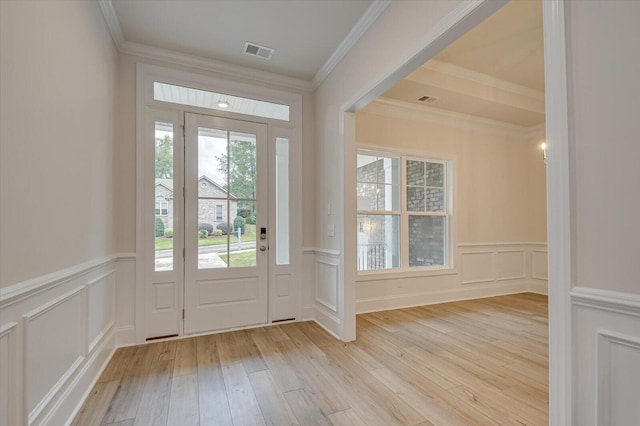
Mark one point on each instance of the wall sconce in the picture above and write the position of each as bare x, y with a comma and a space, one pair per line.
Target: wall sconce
543, 146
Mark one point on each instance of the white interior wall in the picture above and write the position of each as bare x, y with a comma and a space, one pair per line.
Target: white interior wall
499, 212
57, 82
604, 99
57, 268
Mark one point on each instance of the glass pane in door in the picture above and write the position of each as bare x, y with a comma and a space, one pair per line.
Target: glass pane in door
243, 179
226, 199
163, 211
213, 201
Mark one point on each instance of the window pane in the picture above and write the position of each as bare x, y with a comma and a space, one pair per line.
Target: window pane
435, 174
426, 240
367, 167
242, 169
415, 173
435, 199
282, 201
206, 99
367, 197
388, 197
214, 221
389, 170
242, 242
163, 226
415, 199
378, 242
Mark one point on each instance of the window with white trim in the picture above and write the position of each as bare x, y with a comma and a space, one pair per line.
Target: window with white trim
404, 212
162, 206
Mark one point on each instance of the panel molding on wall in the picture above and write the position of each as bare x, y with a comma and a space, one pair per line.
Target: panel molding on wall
606, 345
9, 361
57, 334
327, 284
482, 270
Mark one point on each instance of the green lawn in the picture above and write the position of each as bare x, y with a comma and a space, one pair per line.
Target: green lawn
242, 258
163, 243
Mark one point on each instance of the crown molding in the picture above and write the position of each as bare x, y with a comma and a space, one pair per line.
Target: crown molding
194, 61
207, 64
486, 79
369, 17
400, 109
111, 18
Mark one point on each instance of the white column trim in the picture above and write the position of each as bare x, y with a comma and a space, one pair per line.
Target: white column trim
558, 214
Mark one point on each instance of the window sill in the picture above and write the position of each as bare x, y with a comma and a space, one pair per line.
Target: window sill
397, 274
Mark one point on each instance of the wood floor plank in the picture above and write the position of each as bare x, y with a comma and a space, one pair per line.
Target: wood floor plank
243, 405
118, 365
97, 404
212, 394
346, 418
305, 408
286, 379
472, 362
186, 361
183, 404
328, 398
154, 404
273, 405
124, 405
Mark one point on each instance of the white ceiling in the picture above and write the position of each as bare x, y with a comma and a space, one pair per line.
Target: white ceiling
304, 34
495, 71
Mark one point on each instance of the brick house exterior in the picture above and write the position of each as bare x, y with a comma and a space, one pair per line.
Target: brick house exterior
211, 211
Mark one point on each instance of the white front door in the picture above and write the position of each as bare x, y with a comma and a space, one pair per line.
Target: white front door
226, 254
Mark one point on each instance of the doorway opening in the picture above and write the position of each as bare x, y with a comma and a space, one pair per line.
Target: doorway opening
479, 108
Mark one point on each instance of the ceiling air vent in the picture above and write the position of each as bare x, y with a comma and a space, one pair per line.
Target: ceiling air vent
257, 50
427, 99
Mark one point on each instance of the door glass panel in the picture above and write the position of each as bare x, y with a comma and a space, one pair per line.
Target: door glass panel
213, 203
226, 199
163, 211
282, 201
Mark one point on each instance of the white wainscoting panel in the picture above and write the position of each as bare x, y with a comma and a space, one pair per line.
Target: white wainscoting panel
101, 298
617, 384
606, 342
326, 287
56, 334
54, 347
308, 282
327, 284
8, 372
477, 267
539, 265
480, 270
511, 265
125, 279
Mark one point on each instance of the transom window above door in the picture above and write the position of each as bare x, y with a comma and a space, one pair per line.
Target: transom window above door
166, 92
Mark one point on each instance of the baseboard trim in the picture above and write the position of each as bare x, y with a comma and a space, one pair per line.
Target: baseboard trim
328, 321
125, 336
377, 304
307, 312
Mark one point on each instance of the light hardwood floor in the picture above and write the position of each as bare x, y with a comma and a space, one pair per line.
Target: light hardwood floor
474, 362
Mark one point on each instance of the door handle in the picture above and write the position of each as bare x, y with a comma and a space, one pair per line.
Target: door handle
263, 248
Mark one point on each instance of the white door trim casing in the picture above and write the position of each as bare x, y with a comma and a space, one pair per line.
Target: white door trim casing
146, 74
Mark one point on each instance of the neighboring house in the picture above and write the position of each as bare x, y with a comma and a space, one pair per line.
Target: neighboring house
211, 210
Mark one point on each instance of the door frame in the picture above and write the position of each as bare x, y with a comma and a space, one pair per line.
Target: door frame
146, 75
559, 179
